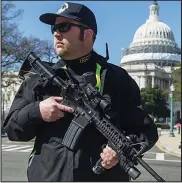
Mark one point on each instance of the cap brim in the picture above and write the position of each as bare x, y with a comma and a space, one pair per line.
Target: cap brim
50, 18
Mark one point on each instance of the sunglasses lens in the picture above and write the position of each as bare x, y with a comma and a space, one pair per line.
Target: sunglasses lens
62, 27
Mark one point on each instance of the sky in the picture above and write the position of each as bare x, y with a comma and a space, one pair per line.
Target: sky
117, 21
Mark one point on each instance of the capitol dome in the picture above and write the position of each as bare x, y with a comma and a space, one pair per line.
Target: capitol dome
153, 41
153, 29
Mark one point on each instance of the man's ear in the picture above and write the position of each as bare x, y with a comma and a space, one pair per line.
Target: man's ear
88, 34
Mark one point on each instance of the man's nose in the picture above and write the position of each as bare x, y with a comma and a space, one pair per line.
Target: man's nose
58, 35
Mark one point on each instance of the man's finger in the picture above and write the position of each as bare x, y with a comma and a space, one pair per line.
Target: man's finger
58, 114
58, 99
64, 108
103, 164
111, 151
102, 156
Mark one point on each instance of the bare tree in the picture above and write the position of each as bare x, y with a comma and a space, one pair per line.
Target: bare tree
15, 46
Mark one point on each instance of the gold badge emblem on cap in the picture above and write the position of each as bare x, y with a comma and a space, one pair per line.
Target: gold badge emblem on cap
63, 8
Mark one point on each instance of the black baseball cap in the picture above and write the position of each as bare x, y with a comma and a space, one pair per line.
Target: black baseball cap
75, 11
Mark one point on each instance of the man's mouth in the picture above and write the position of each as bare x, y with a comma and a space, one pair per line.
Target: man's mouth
59, 45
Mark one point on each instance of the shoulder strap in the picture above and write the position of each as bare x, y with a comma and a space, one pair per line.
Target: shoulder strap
98, 77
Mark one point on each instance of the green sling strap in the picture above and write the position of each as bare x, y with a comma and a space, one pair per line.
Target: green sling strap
98, 69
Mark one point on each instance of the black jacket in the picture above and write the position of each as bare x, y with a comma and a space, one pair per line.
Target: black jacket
51, 160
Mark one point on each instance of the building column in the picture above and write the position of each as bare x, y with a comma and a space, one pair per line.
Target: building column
153, 81
169, 83
139, 77
145, 81
156, 81
160, 83
163, 84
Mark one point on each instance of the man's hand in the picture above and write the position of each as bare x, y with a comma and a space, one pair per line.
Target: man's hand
109, 158
51, 109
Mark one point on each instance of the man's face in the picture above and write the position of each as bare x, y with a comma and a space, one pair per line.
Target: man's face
67, 43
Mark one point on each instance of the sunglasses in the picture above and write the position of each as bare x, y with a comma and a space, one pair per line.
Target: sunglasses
65, 26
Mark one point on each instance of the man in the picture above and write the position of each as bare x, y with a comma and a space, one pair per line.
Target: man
37, 110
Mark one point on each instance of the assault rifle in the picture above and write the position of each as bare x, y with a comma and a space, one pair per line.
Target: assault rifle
88, 106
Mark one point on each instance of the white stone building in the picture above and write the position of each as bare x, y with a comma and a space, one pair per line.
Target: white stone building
153, 53
8, 93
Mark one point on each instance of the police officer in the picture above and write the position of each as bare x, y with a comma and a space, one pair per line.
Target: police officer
37, 112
